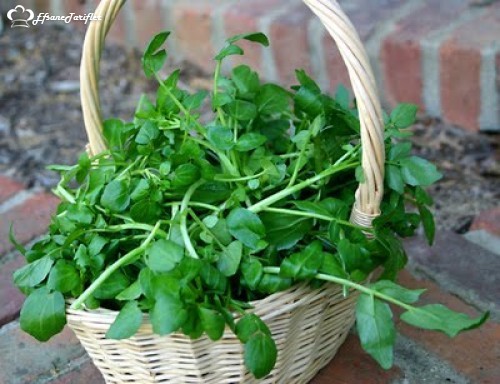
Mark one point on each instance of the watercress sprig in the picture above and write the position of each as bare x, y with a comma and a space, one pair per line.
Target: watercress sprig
190, 221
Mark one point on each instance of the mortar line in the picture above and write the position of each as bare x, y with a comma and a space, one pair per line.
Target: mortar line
167, 12
268, 62
218, 36
316, 33
489, 118
18, 199
374, 42
431, 62
130, 25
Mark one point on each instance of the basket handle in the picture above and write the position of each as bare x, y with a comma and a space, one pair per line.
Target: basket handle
370, 191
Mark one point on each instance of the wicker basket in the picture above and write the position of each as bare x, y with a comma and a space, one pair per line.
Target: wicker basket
308, 325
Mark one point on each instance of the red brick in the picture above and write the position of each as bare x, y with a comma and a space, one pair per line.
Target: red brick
28, 361
366, 16
461, 69
489, 221
474, 354
29, 219
401, 51
8, 188
11, 299
78, 7
289, 42
243, 17
193, 27
86, 373
149, 20
42, 5
353, 365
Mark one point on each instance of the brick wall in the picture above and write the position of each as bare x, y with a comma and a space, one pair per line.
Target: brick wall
442, 55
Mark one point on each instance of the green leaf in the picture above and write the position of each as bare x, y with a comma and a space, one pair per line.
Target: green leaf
241, 110
148, 132
249, 141
229, 259
115, 134
168, 314
146, 211
213, 278
342, 96
428, 223
229, 50
96, 245
308, 97
270, 284
257, 37
397, 292
353, 254
400, 151
272, 99
249, 325
127, 323
376, 329
246, 80
134, 291
260, 354
331, 266
185, 175
153, 59
116, 196
195, 101
163, 255
220, 137
285, 231
395, 178
43, 314
213, 323
418, 171
20, 248
63, 277
80, 213
305, 264
437, 317
112, 286
34, 273
404, 115
252, 271
246, 226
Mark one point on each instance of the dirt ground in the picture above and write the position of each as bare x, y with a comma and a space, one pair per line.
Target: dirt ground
41, 121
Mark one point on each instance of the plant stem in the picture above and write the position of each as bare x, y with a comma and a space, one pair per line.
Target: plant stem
114, 267
350, 284
184, 212
263, 204
312, 216
220, 114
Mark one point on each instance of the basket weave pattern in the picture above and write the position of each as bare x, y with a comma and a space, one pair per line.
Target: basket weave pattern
308, 325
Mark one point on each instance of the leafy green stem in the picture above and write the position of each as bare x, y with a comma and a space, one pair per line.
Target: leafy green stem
350, 284
313, 216
263, 204
77, 304
184, 212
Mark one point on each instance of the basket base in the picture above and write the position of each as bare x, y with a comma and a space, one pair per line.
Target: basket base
308, 327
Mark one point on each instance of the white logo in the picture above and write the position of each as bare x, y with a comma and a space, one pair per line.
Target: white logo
20, 16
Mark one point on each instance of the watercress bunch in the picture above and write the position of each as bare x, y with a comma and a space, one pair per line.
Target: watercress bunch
190, 221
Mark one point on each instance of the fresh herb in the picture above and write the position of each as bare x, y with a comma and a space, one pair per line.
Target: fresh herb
189, 221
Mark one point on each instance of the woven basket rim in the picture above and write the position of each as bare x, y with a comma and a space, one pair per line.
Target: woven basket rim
300, 291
